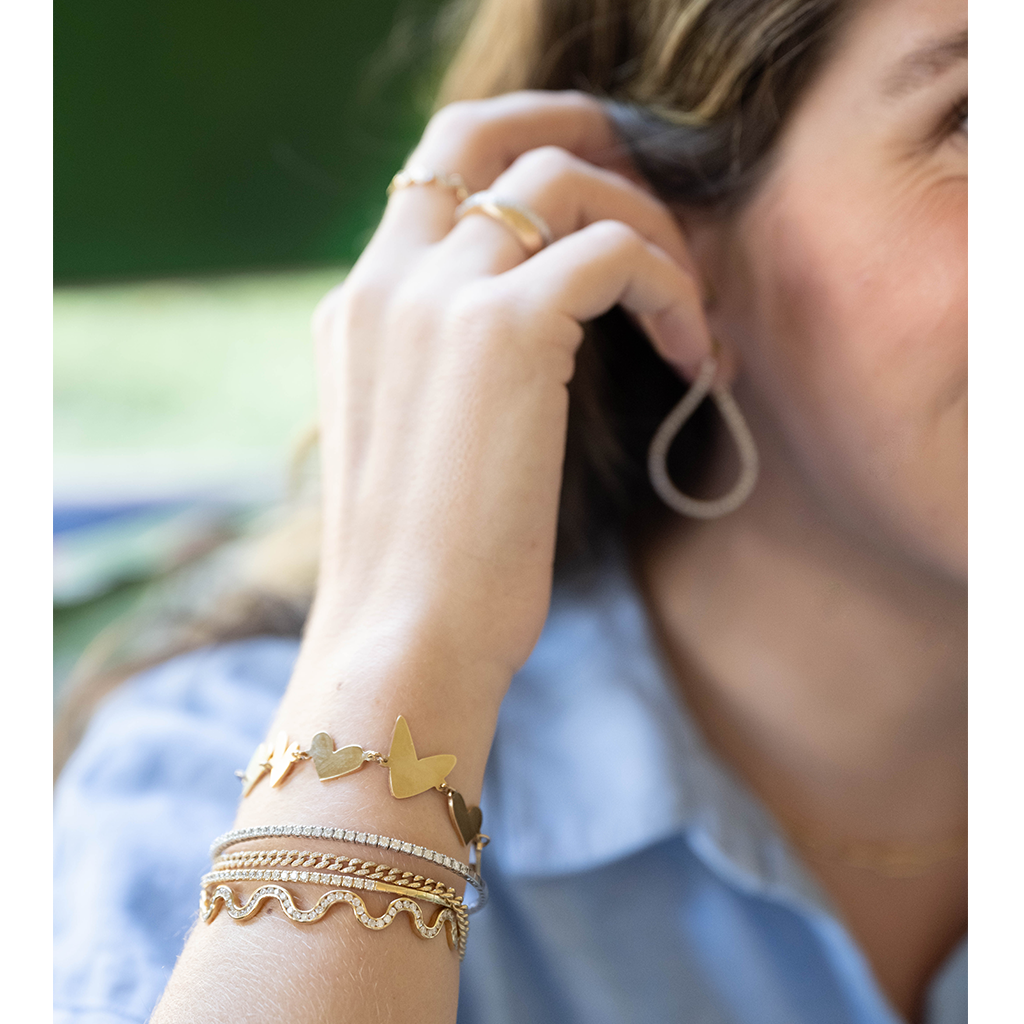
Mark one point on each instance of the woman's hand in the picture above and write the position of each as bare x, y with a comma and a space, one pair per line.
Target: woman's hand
443, 363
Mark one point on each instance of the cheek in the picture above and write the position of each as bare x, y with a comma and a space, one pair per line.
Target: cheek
853, 327
872, 303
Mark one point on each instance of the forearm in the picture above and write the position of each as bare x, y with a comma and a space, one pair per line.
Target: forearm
273, 969
443, 363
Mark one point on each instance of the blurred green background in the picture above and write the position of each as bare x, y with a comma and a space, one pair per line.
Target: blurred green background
217, 166
225, 135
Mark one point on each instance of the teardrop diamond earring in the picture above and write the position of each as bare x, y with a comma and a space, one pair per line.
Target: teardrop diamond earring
657, 454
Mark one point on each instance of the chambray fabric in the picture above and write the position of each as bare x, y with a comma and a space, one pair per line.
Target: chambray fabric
632, 876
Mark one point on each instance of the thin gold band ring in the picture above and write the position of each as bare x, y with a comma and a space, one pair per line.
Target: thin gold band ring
416, 175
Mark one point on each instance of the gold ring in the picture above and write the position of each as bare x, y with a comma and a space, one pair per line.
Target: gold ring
417, 175
530, 228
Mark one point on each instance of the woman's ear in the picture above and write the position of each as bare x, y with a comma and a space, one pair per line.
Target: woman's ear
705, 234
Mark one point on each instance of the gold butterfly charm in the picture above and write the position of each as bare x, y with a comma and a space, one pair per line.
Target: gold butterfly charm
256, 768
283, 758
411, 775
331, 763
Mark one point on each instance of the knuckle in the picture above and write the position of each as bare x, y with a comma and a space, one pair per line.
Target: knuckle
615, 235
481, 310
412, 302
547, 163
349, 305
584, 100
461, 119
326, 310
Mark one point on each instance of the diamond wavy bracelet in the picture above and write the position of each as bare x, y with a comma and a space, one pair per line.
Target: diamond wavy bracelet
210, 904
437, 895
294, 865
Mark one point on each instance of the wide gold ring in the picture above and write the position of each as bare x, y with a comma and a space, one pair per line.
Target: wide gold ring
529, 228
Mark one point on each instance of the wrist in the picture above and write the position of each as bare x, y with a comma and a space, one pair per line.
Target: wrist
380, 647
395, 796
484, 615
354, 683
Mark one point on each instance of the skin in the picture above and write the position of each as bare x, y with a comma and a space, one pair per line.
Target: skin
818, 634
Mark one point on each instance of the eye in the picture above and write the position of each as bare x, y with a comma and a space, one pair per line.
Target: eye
957, 120
950, 128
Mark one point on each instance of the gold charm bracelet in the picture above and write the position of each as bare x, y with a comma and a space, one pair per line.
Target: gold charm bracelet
409, 775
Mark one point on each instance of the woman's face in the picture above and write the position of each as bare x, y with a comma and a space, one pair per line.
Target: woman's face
842, 285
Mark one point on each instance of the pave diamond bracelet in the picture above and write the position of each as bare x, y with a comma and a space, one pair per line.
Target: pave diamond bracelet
441, 896
434, 892
471, 873
223, 896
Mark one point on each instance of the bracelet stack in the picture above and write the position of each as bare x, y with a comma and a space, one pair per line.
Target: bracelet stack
469, 872
345, 877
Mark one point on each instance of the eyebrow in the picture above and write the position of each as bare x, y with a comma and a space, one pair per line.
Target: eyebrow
919, 67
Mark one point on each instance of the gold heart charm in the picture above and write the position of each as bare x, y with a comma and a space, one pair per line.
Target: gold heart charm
411, 775
256, 769
331, 763
467, 820
283, 758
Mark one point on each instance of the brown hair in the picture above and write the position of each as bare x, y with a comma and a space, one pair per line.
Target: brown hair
698, 91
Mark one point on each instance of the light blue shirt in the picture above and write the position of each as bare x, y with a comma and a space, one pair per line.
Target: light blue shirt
632, 876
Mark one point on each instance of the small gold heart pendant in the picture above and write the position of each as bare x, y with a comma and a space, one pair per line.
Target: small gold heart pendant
467, 820
331, 763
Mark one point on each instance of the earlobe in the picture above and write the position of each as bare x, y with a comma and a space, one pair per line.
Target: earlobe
722, 349
726, 357
705, 240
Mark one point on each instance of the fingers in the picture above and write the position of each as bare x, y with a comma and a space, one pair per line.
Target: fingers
617, 243
479, 139
606, 264
568, 193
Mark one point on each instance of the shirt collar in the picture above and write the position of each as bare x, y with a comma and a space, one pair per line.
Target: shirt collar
596, 757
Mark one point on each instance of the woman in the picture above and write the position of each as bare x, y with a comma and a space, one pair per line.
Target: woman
729, 782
